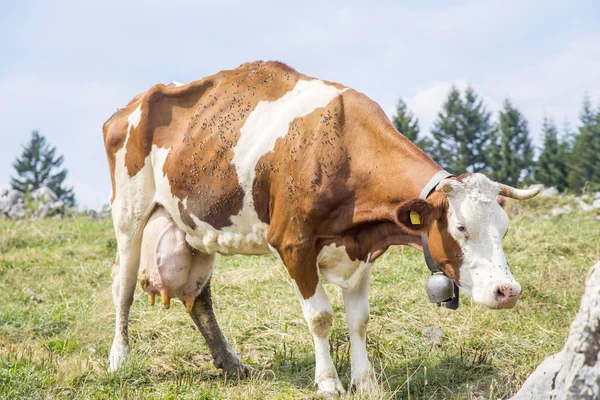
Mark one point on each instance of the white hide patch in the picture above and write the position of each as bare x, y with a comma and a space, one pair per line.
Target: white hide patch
134, 120
133, 194
335, 265
233, 239
267, 122
270, 120
472, 204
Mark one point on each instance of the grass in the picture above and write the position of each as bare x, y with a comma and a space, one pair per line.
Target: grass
56, 320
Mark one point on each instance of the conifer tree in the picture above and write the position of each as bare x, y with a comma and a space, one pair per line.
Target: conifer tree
510, 154
408, 125
584, 162
461, 133
551, 168
39, 166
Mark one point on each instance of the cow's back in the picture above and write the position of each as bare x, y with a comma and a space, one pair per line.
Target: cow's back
201, 143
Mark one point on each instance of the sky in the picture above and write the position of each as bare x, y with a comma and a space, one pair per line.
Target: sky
66, 66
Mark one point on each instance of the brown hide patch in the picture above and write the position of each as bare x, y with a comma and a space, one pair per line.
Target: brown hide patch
444, 249
115, 131
200, 123
306, 173
321, 323
370, 241
337, 177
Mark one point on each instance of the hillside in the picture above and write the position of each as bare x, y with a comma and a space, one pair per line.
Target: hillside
56, 319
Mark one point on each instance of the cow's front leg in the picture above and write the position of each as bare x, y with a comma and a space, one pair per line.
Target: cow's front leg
319, 316
356, 303
297, 251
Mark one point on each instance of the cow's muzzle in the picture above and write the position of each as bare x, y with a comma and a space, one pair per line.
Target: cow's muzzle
507, 295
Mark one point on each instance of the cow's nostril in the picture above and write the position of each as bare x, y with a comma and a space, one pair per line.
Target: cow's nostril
507, 295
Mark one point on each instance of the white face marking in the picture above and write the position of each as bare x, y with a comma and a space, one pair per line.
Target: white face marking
473, 205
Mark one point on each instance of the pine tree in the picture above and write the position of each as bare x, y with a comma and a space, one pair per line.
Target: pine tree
461, 133
39, 166
510, 154
407, 124
551, 168
584, 163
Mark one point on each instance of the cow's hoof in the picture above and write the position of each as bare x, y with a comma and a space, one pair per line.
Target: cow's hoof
119, 353
330, 387
233, 366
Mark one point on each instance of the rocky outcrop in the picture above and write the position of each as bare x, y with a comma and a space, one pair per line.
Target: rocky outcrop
12, 204
574, 372
45, 204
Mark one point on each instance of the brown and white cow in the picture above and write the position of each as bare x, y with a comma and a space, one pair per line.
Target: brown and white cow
263, 159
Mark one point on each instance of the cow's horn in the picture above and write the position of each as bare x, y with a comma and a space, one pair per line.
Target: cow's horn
519, 194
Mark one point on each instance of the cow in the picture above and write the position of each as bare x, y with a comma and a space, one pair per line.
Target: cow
263, 159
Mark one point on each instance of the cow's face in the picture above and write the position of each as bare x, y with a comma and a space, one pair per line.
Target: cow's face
466, 226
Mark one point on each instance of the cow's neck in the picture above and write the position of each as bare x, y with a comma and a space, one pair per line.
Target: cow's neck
382, 177
388, 177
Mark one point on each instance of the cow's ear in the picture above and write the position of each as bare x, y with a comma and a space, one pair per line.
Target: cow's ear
417, 215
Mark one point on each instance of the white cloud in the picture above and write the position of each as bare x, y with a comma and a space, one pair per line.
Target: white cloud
554, 86
428, 101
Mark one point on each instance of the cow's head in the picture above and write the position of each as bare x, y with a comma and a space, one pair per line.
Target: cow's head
466, 226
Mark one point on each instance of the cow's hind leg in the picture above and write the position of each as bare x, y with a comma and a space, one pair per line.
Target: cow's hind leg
129, 218
123, 288
204, 318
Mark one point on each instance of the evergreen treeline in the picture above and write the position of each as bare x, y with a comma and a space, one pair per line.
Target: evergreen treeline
465, 139
38, 166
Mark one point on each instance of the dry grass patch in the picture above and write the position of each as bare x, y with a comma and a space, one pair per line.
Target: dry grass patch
56, 320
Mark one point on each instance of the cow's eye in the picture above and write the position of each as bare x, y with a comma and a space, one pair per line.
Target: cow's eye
462, 229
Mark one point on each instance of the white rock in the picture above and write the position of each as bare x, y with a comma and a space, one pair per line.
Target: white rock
597, 195
17, 211
536, 186
596, 203
584, 206
9, 199
549, 192
566, 209
574, 372
49, 209
44, 194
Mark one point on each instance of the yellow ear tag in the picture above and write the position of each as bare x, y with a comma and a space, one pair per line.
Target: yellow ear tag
415, 219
